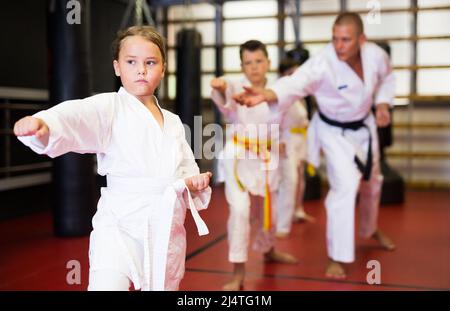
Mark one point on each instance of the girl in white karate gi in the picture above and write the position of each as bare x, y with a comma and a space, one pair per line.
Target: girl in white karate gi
346, 78
245, 171
138, 230
293, 126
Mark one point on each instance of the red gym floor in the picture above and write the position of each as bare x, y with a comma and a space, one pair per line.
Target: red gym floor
31, 258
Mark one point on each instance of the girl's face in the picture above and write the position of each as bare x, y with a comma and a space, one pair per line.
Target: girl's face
255, 65
140, 66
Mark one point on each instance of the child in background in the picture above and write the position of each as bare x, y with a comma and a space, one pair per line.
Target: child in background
250, 163
293, 127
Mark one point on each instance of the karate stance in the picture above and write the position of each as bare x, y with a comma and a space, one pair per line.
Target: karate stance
138, 230
250, 163
346, 78
293, 127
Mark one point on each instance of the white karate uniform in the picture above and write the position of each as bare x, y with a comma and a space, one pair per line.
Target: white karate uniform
342, 96
292, 119
138, 229
250, 169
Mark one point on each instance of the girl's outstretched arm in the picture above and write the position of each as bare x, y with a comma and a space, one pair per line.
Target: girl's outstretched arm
81, 125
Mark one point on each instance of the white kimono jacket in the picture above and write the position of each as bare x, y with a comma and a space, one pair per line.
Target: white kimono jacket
139, 223
340, 93
243, 121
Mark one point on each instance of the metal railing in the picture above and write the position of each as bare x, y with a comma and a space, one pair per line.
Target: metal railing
21, 175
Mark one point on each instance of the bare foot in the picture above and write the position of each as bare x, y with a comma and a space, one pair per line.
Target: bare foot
301, 216
335, 270
282, 235
279, 257
384, 240
237, 283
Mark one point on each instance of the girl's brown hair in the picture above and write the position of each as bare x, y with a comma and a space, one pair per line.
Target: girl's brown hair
148, 32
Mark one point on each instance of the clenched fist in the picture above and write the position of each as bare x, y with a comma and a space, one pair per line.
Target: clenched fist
382, 115
29, 126
198, 182
219, 84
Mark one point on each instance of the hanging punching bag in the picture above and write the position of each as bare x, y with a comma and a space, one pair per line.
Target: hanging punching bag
73, 174
188, 97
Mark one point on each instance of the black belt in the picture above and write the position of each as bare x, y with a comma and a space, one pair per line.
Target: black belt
355, 125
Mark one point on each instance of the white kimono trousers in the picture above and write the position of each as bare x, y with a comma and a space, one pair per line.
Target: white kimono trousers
138, 229
250, 169
344, 97
294, 122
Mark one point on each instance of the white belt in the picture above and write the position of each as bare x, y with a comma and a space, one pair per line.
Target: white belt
168, 189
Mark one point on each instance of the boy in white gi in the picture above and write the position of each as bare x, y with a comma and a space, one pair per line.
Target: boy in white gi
138, 230
346, 78
293, 126
250, 163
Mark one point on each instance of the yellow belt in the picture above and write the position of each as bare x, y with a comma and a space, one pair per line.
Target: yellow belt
303, 131
299, 130
257, 146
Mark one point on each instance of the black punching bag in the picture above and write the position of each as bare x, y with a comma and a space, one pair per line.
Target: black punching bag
73, 174
188, 98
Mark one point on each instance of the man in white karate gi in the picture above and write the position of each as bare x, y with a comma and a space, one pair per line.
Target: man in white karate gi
347, 77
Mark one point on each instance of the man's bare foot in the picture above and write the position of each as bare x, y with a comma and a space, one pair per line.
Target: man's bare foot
300, 216
384, 240
335, 270
279, 257
237, 283
282, 235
